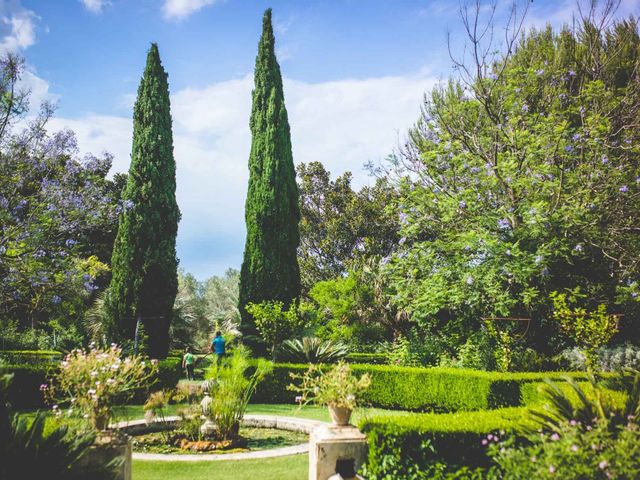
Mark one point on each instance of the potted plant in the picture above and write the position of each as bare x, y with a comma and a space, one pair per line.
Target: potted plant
337, 388
88, 384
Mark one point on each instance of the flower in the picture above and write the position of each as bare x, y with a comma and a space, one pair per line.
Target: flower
484, 442
525, 108
503, 224
603, 464
469, 280
624, 189
552, 469
555, 437
574, 448
43, 387
540, 72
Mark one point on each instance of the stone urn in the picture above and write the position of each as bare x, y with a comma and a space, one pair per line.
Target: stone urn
340, 415
110, 447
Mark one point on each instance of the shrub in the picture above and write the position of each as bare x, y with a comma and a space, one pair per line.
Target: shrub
90, 381
413, 446
274, 323
571, 453
420, 389
609, 359
367, 358
18, 357
314, 350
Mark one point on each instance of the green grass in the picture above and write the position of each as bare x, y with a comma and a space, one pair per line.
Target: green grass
294, 467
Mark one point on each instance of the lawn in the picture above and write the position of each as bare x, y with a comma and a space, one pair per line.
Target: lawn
293, 467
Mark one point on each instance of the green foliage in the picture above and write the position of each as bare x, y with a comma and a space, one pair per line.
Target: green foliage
270, 269
144, 282
26, 451
522, 181
414, 446
572, 453
274, 323
17, 357
367, 358
421, 389
339, 227
314, 350
231, 388
591, 330
594, 404
57, 218
335, 387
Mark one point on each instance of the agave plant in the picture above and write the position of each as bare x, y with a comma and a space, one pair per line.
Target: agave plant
595, 404
314, 350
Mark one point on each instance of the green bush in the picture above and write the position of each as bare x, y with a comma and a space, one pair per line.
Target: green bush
411, 446
368, 358
24, 392
421, 389
18, 357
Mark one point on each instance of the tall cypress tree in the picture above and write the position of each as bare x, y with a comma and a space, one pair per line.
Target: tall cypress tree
270, 267
144, 263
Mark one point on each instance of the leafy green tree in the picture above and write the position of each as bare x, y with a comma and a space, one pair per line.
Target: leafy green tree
341, 227
523, 179
270, 267
144, 262
57, 220
275, 323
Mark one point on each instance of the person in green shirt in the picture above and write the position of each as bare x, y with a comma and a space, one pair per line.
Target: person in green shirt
188, 362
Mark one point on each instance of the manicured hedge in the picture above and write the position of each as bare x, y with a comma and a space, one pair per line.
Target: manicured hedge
24, 392
420, 389
19, 357
400, 445
368, 358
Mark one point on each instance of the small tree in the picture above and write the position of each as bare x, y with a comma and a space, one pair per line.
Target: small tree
275, 324
589, 329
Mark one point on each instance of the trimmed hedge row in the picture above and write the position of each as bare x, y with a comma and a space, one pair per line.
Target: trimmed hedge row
421, 389
18, 357
24, 392
368, 358
406, 443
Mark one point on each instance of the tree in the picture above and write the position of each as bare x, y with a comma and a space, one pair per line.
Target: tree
57, 219
341, 227
144, 262
523, 179
270, 269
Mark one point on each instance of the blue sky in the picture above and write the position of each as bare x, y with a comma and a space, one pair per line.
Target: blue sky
354, 72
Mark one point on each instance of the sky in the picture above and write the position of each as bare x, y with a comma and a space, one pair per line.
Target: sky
355, 73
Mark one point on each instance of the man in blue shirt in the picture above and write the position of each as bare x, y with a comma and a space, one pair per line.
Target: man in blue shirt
217, 346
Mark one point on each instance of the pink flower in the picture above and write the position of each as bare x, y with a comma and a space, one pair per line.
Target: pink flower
574, 448
552, 469
603, 464
555, 437
484, 442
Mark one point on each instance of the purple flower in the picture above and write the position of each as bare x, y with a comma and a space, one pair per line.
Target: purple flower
577, 248
576, 137
637, 179
493, 76
56, 299
71, 242
540, 72
403, 218
571, 73
525, 108
568, 148
402, 241
624, 189
462, 204
605, 159
503, 224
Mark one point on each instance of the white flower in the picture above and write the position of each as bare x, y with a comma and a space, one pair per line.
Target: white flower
94, 373
110, 381
98, 383
91, 391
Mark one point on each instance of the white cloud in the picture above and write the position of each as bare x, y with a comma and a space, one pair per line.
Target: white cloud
179, 9
17, 28
342, 123
95, 6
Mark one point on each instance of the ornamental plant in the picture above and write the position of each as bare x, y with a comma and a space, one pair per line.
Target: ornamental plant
89, 381
337, 387
589, 329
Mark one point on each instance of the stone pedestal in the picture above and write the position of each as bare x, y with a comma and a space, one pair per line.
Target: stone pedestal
106, 449
335, 450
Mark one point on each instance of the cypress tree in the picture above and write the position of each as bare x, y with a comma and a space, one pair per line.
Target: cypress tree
270, 267
144, 263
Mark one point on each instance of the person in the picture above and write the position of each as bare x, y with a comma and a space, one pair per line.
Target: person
217, 346
188, 362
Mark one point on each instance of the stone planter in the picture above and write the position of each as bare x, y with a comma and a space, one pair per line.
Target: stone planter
340, 415
107, 448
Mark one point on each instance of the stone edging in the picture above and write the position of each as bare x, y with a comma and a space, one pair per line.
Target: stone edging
264, 421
